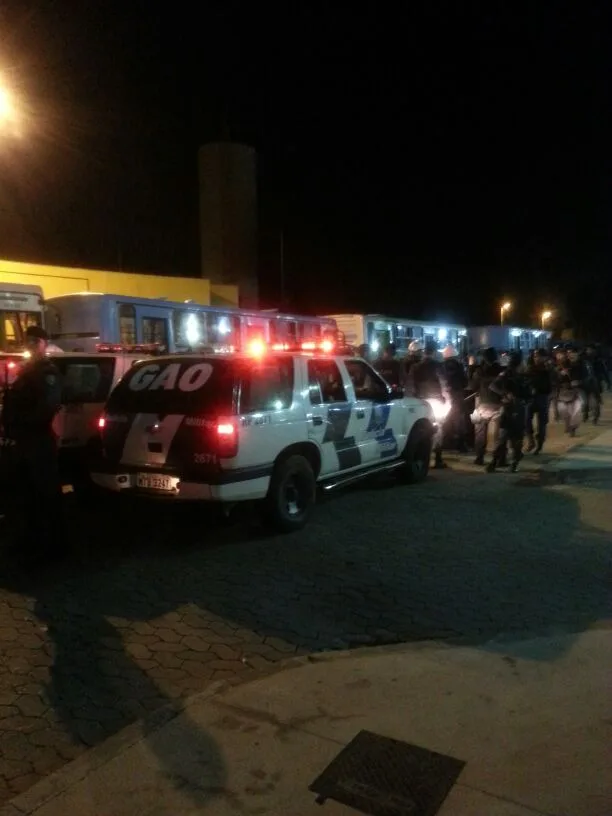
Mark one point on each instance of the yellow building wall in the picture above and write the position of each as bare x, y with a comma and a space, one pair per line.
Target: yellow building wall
223, 294
66, 280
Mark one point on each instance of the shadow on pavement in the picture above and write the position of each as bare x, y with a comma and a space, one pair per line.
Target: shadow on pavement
452, 558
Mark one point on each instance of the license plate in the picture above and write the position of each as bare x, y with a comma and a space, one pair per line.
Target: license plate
154, 481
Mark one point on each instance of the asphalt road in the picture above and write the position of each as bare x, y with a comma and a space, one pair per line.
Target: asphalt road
163, 599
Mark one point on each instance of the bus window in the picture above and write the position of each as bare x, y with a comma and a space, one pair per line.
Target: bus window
283, 331
223, 329
127, 324
155, 330
189, 329
308, 331
14, 325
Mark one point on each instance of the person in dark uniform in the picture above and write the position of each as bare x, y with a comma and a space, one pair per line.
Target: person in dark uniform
598, 376
428, 382
30, 451
388, 366
513, 388
488, 403
457, 381
540, 378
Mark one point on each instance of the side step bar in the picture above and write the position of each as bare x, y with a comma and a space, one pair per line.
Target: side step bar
363, 474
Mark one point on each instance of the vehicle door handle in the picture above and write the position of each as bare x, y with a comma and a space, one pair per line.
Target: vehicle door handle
360, 413
317, 420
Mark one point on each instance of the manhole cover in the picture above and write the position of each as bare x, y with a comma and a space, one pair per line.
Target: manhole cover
386, 777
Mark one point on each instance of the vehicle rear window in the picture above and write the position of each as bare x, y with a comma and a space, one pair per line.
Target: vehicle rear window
176, 386
267, 385
85, 380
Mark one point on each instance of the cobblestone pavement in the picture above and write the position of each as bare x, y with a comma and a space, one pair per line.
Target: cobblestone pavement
166, 599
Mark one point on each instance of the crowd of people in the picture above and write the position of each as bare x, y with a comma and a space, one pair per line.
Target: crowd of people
501, 397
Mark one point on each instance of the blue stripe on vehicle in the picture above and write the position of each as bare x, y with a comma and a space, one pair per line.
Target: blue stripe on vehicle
387, 444
378, 418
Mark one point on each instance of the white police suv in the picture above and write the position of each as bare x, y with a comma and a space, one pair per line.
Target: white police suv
268, 425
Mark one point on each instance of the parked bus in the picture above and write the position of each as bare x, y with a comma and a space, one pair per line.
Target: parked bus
86, 320
507, 338
21, 305
378, 332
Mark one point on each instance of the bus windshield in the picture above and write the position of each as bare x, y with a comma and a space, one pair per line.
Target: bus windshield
13, 327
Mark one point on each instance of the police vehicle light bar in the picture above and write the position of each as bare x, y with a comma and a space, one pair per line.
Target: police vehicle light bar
136, 348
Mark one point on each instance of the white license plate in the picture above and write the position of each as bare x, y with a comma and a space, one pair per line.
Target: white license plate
154, 481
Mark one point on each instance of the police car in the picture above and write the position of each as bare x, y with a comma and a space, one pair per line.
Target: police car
266, 425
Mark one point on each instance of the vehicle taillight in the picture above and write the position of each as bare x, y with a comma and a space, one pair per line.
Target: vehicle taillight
101, 423
227, 438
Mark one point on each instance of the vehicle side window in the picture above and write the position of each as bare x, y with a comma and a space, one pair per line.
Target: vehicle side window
366, 382
325, 382
268, 386
86, 382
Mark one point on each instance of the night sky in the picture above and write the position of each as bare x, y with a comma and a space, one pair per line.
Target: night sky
426, 163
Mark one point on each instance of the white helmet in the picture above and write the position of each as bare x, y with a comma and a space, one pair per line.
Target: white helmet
449, 352
416, 347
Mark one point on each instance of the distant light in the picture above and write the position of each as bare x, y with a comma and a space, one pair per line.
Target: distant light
375, 345
442, 335
515, 332
507, 305
224, 326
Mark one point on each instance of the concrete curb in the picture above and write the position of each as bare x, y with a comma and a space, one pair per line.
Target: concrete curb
74, 772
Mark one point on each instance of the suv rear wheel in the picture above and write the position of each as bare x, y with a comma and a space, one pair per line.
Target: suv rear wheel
291, 495
417, 456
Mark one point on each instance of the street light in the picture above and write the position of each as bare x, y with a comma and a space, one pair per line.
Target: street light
9, 116
505, 307
545, 316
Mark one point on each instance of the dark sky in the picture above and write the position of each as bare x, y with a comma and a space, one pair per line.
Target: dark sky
428, 162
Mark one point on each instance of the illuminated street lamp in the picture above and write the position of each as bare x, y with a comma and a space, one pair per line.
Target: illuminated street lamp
9, 116
505, 307
545, 316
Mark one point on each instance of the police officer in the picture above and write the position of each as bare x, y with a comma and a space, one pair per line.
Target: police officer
513, 388
488, 402
388, 366
429, 382
540, 378
456, 379
30, 449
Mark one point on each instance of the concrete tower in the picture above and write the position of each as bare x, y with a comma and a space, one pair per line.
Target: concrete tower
228, 217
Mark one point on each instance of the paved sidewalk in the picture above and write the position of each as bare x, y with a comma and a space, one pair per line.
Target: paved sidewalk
561, 451
532, 720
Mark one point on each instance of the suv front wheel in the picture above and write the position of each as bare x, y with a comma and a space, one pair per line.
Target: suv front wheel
291, 495
417, 455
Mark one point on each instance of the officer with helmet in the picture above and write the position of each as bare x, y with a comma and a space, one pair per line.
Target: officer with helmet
428, 382
413, 356
30, 456
456, 379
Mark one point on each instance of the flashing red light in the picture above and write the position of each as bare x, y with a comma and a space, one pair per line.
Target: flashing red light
327, 346
257, 348
11, 365
101, 423
280, 347
309, 346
